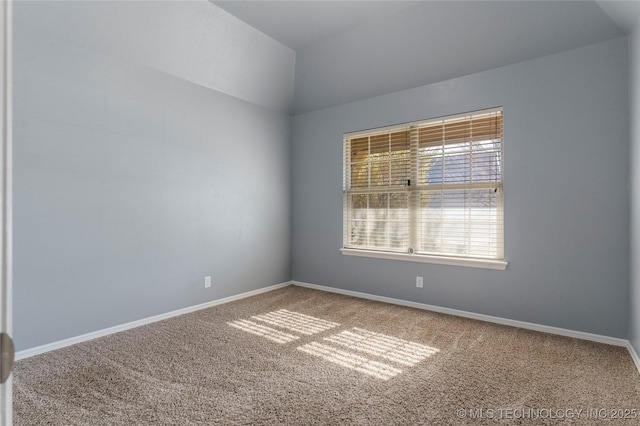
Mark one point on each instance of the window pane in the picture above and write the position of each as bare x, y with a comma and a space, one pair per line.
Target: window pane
360, 175
399, 221
460, 222
379, 160
379, 221
379, 147
359, 201
399, 172
485, 161
359, 149
455, 170
358, 218
379, 173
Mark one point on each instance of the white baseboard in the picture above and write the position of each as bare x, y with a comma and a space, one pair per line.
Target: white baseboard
111, 330
504, 321
634, 355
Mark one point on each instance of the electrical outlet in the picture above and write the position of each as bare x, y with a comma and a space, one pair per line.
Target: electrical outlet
419, 282
207, 282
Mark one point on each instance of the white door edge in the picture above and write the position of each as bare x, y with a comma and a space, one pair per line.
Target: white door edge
6, 326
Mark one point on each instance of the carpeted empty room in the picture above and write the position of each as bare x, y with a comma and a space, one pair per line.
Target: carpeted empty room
323, 212
302, 356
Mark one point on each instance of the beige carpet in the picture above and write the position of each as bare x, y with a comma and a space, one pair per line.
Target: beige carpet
298, 356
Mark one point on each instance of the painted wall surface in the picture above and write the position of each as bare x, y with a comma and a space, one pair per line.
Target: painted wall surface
196, 41
435, 41
131, 185
566, 193
634, 104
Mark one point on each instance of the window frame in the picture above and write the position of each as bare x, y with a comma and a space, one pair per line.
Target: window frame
414, 223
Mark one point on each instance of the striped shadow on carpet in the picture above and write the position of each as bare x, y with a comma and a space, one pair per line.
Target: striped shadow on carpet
302, 356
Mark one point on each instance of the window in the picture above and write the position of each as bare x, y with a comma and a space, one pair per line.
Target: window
427, 191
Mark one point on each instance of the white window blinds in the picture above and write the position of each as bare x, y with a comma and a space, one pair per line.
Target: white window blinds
432, 187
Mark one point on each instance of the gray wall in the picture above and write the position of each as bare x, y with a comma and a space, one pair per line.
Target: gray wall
193, 40
470, 37
131, 185
634, 104
566, 193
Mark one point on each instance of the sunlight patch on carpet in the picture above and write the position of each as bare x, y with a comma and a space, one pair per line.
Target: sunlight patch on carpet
388, 347
351, 360
375, 354
295, 321
264, 331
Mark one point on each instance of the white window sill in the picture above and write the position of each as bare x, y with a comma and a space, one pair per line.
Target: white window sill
441, 260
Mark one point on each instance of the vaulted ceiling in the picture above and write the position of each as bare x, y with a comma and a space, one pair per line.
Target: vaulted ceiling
351, 50
297, 24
